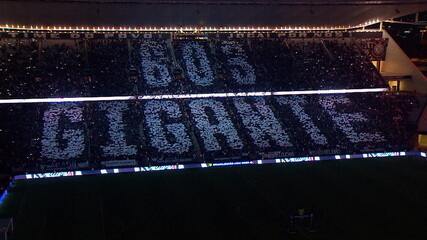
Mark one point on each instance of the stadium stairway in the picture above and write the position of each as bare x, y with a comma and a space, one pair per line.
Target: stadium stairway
331, 56
172, 53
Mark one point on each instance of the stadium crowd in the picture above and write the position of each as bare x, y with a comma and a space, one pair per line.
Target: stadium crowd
37, 68
81, 135
71, 135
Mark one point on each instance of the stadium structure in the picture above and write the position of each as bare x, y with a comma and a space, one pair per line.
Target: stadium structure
295, 119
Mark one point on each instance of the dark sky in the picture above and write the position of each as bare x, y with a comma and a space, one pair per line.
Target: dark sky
201, 13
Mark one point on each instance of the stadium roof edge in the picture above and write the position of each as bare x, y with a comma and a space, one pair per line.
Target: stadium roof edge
197, 13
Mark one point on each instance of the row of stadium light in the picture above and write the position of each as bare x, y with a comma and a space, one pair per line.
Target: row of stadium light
184, 29
190, 96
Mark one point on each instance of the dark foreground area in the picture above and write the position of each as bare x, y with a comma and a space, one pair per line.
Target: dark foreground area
353, 199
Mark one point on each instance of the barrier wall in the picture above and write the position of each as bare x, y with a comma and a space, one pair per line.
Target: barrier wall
218, 164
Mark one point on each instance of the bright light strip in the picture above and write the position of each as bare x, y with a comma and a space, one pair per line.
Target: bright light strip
67, 99
337, 91
189, 96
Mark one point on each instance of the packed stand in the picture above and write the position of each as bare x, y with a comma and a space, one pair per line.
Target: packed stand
351, 64
141, 132
46, 68
273, 62
28, 69
109, 67
76, 135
